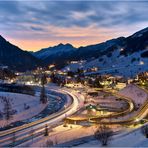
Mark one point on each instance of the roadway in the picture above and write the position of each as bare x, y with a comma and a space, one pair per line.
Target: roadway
22, 133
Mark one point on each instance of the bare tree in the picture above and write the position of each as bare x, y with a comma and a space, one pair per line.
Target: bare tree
103, 134
7, 108
49, 143
144, 130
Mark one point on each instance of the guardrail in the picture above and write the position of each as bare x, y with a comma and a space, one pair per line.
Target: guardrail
143, 108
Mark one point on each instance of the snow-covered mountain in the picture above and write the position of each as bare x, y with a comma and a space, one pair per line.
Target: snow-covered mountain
50, 51
123, 56
57, 54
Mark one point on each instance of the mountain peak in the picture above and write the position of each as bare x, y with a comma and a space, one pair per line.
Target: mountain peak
60, 44
67, 44
2, 39
15, 58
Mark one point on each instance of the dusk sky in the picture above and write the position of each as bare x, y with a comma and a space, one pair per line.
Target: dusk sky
33, 25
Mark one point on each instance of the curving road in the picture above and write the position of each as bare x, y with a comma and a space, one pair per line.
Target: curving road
143, 112
115, 114
22, 133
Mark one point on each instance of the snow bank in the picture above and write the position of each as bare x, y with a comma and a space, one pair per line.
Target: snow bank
17, 103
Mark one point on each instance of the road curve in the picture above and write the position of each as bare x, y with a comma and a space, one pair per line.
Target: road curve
40, 124
143, 112
115, 114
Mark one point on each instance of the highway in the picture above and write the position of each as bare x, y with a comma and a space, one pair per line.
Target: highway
22, 133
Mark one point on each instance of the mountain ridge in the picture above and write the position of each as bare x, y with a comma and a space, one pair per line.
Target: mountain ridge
16, 58
130, 44
61, 54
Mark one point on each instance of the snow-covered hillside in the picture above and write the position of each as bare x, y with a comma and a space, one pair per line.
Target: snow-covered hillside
115, 64
121, 56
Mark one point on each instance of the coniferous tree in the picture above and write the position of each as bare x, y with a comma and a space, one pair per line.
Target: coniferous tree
43, 79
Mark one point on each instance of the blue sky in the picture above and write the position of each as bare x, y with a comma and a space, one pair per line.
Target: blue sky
36, 24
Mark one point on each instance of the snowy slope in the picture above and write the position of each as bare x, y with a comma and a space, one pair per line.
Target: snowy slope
17, 104
140, 33
131, 139
116, 64
121, 56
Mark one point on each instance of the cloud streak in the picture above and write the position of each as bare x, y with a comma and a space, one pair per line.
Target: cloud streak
76, 22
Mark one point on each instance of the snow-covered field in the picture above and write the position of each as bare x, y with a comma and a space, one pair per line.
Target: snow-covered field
17, 103
63, 135
131, 139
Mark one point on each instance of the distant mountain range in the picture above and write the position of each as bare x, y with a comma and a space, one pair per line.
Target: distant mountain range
58, 55
61, 54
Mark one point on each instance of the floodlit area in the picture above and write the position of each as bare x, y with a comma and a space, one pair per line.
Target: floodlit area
138, 95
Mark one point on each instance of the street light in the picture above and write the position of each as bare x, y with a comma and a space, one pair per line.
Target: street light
137, 120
